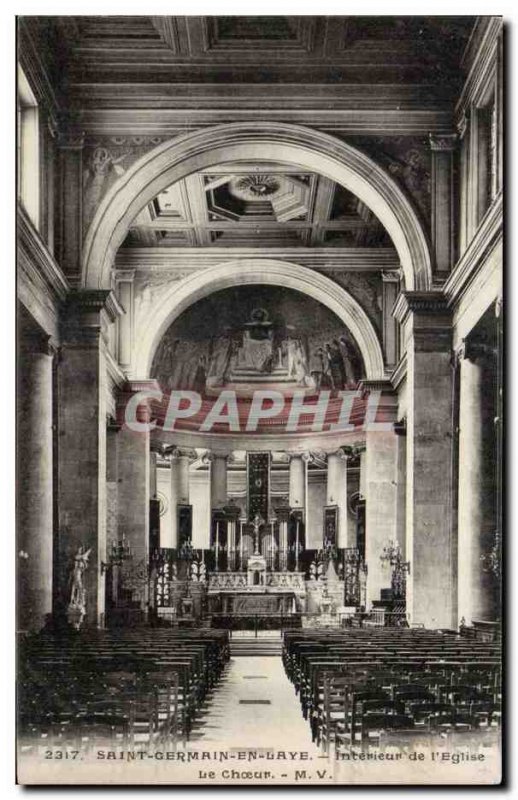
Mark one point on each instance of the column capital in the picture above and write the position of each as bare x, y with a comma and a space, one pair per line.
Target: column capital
392, 276
39, 344
344, 453
210, 456
444, 143
130, 388
304, 455
68, 139
126, 275
175, 453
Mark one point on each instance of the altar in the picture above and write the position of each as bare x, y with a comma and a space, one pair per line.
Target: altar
251, 603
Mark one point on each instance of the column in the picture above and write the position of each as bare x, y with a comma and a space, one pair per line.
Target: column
218, 501
443, 209
124, 279
153, 477
283, 515
430, 545
232, 513
180, 461
363, 473
390, 327
400, 431
82, 423
218, 481
70, 232
35, 485
297, 481
134, 466
475, 505
381, 507
112, 507
336, 492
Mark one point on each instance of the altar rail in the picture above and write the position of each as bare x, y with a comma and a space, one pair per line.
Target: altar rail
273, 580
255, 622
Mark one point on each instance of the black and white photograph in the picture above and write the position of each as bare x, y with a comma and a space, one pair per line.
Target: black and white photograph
259, 399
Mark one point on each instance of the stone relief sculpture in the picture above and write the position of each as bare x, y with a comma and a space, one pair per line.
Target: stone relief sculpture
101, 163
77, 605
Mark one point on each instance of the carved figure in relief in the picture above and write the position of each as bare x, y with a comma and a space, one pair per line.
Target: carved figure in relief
95, 177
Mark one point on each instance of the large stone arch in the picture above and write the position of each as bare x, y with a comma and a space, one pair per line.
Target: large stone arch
182, 294
290, 144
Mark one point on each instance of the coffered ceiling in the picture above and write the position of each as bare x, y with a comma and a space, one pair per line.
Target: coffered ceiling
163, 74
256, 205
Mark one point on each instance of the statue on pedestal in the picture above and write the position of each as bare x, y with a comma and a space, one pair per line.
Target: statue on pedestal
77, 607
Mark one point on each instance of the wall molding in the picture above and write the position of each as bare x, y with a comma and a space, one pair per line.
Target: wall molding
489, 234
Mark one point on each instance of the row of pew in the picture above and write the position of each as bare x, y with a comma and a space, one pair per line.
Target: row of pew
117, 688
384, 686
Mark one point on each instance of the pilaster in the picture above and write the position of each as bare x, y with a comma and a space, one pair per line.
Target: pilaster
430, 544
443, 202
82, 424
70, 230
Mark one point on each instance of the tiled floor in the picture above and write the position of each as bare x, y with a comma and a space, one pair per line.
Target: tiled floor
238, 716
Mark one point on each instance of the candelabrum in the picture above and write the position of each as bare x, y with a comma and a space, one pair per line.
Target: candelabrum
392, 556
329, 552
492, 561
119, 553
296, 549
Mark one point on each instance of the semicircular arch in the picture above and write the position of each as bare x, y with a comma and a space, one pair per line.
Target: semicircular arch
284, 143
240, 272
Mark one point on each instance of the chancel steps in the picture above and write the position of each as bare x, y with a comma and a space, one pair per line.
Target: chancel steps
262, 646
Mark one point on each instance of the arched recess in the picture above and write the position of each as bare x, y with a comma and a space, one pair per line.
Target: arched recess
184, 293
267, 141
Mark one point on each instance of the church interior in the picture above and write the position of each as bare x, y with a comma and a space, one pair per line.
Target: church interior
292, 208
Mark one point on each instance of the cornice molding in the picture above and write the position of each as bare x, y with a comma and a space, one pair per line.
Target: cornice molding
430, 303
380, 385
359, 259
38, 257
173, 121
399, 373
94, 300
34, 69
114, 371
479, 60
487, 237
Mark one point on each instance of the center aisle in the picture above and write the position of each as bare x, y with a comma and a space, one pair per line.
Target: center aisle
254, 706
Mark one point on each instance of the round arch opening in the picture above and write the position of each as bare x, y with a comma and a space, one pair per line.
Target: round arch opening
282, 143
159, 315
